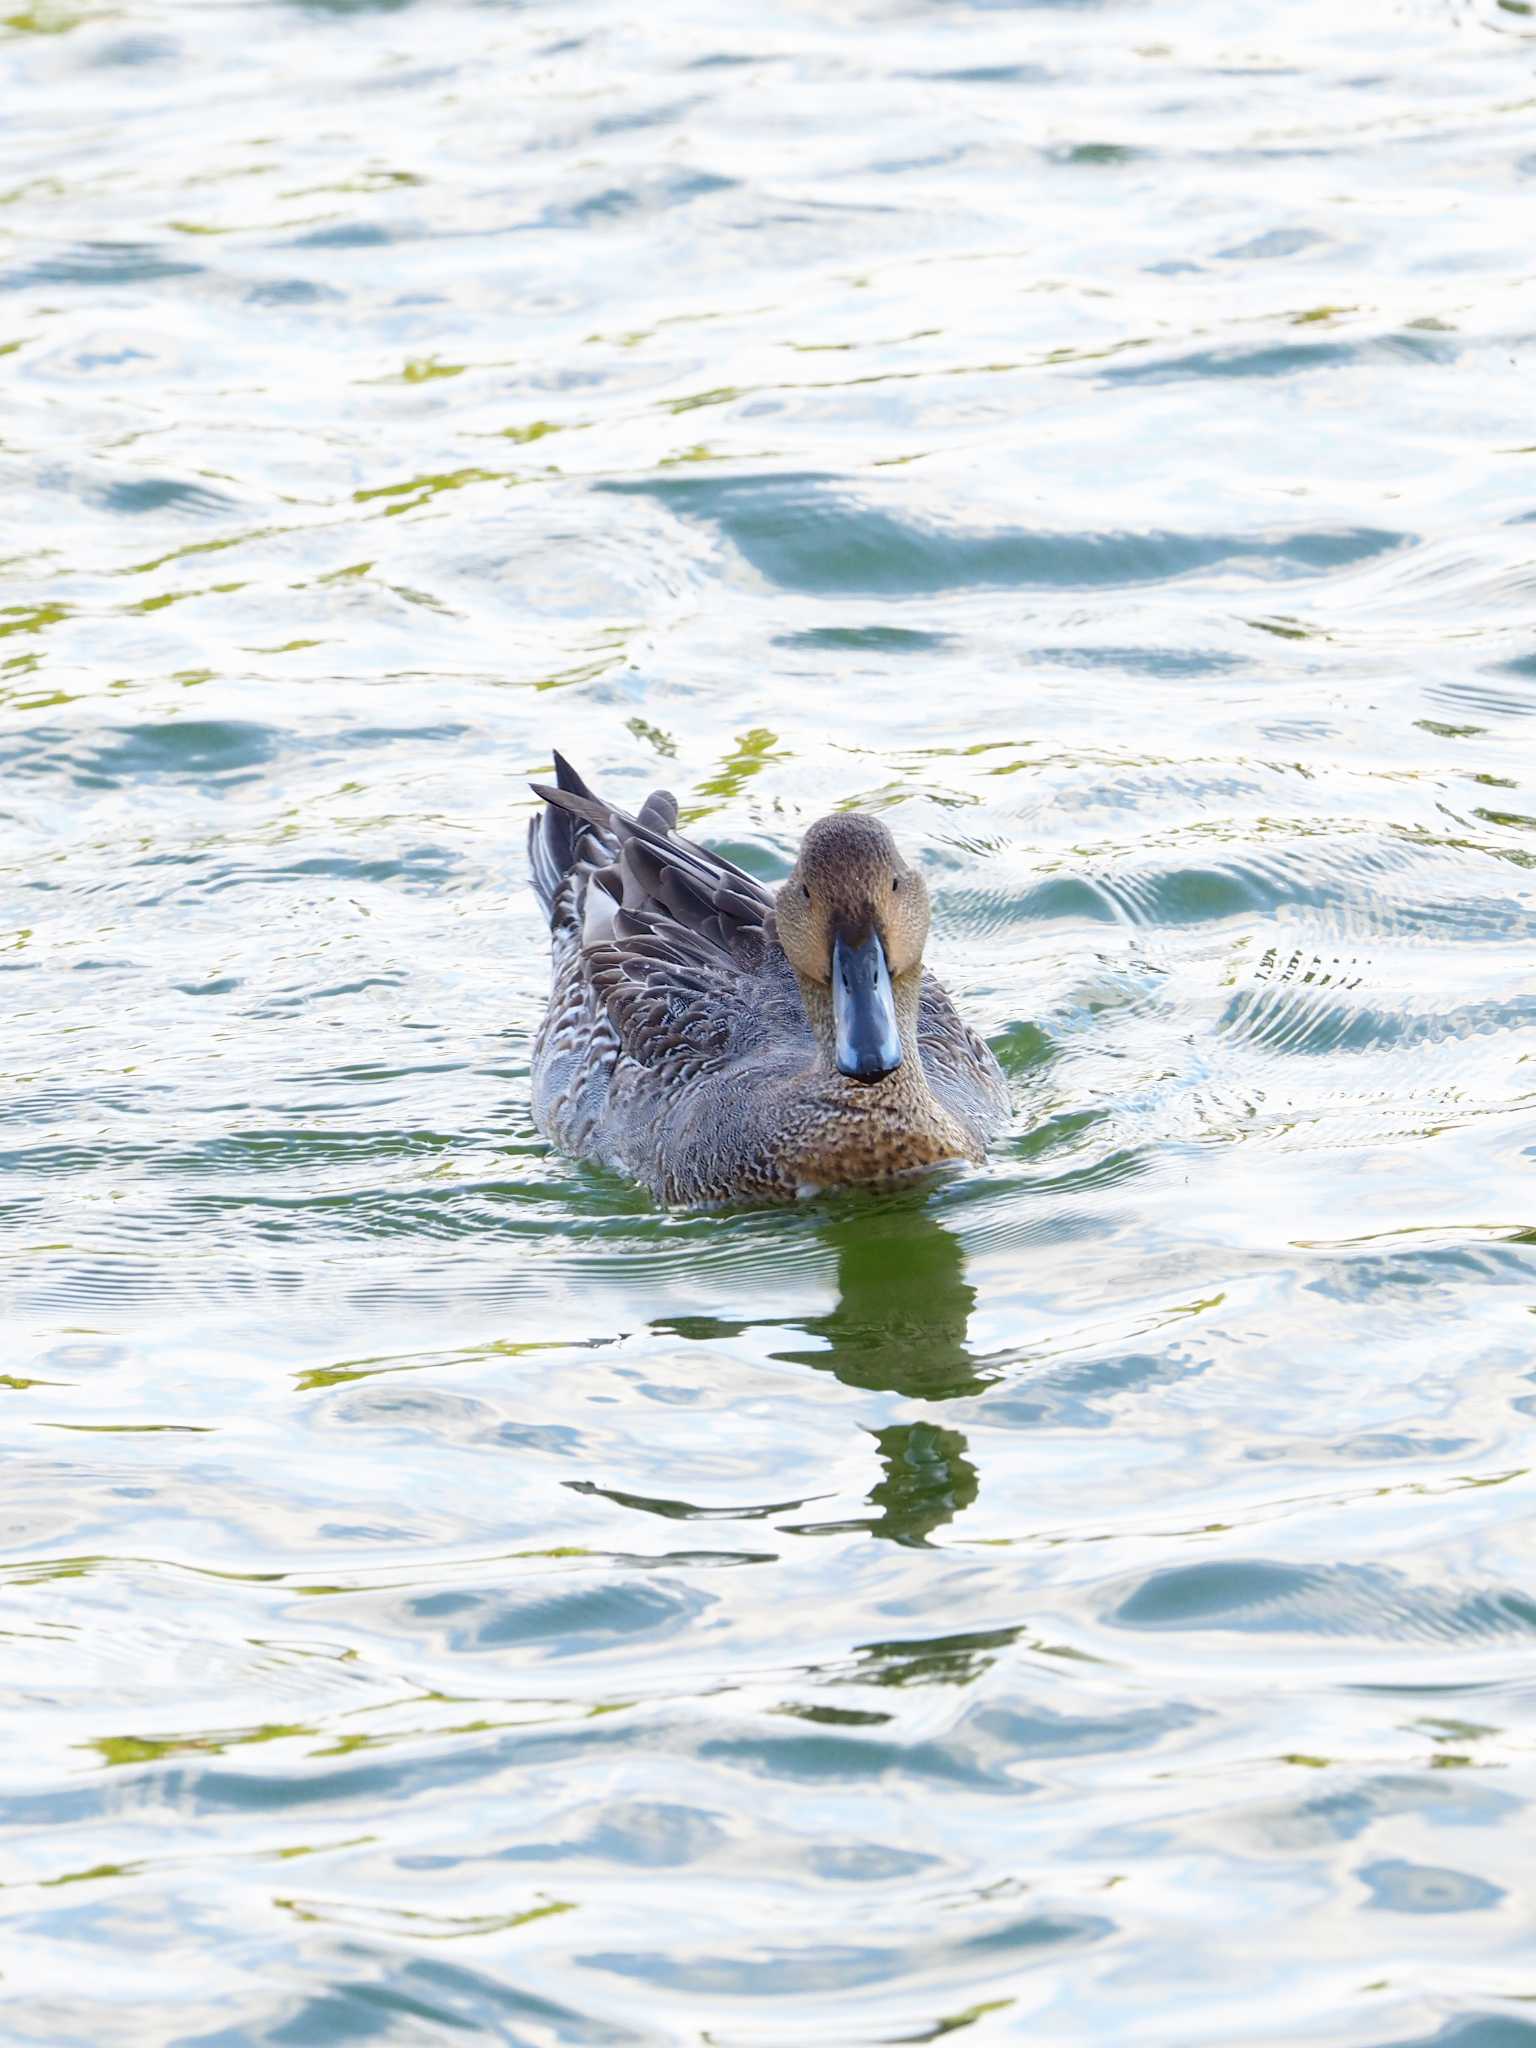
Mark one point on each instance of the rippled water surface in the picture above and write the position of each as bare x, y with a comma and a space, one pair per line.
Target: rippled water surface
1091, 1600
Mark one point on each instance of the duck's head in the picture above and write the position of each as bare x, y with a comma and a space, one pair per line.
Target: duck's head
853, 919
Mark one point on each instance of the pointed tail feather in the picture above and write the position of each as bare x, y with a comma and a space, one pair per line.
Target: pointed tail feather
555, 835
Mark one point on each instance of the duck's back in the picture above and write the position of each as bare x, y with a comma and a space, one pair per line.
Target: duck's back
674, 1017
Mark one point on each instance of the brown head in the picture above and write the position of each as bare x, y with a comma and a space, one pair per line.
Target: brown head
853, 919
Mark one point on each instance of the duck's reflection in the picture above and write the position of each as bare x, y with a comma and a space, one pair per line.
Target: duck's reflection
903, 1310
899, 1327
903, 1306
928, 1480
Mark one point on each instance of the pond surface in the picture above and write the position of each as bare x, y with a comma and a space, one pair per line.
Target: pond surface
1088, 1600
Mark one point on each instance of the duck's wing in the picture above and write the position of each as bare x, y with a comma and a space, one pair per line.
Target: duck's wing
961, 1067
677, 942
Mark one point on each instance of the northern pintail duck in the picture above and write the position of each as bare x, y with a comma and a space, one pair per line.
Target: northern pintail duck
718, 1042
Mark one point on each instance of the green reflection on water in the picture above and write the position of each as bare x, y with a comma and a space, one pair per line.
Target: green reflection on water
899, 1327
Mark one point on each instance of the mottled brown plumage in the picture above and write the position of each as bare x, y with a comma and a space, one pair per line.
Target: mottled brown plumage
716, 1042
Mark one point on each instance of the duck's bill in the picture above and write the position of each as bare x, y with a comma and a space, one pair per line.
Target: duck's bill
863, 1009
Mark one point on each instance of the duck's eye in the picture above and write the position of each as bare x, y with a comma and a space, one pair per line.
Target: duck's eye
895, 883
805, 891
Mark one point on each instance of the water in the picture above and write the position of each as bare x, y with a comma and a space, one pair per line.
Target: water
1088, 1601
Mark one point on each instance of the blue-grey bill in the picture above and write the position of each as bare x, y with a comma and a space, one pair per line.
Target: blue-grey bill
863, 1009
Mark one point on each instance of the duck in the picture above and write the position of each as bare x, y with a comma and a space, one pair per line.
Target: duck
719, 1042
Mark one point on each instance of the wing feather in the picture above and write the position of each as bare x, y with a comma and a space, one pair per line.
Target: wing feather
680, 956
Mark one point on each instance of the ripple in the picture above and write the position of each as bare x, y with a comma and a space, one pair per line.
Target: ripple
1365, 1602
571, 1623
1175, 663
1290, 1019
101, 263
823, 1970
806, 533
1278, 359
640, 1834
1400, 1887
361, 1999
201, 751
864, 640
137, 495
352, 234
1487, 699
1476, 2030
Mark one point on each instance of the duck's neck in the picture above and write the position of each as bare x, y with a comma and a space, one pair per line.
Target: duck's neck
850, 1132
907, 1084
